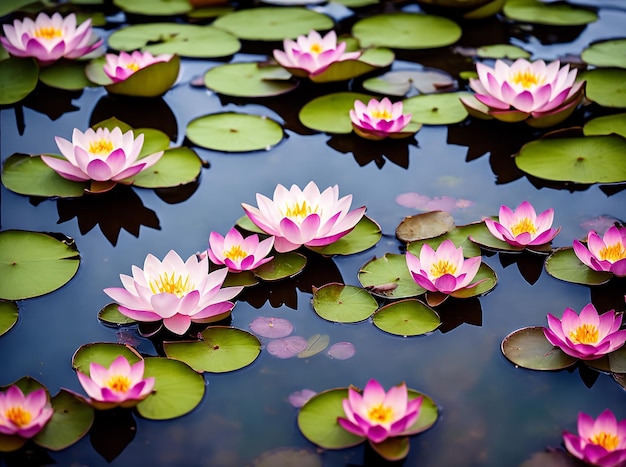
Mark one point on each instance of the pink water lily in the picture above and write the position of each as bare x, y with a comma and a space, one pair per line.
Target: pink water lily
443, 270
24, 415
600, 442
586, 336
523, 227
379, 120
238, 253
312, 54
177, 292
120, 385
48, 39
604, 254
298, 217
119, 67
377, 414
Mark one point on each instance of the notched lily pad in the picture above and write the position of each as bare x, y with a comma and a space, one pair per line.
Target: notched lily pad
403, 82
609, 53
315, 344
66, 74
606, 125
343, 303
563, 264
283, 266
556, 14
407, 318
111, 316
487, 278
512, 52
437, 109
529, 348
154, 7
177, 166
253, 79
460, 236
389, 277
18, 78
364, 236
8, 316
606, 86
426, 225
331, 113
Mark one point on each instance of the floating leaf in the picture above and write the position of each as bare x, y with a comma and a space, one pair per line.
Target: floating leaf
283, 265
343, 303
177, 166
512, 52
299, 398
606, 125
18, 78
401, 82
344, 70
249, 80
609, 53
271, 327
111, 316
342, 350
422, 226
407, 318
8, 316
331, 113
151, 81
286, 347
364, 236
243, 278
437, 109
563, 264
556, 14
379, 273
459, 236
315, 344
392, 449
606, 86
154, 7
66, 74
529, 348
489, 281
102, 353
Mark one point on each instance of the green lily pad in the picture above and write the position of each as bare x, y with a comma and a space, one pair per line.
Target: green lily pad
102, 353
154, 7
151, 81
529, 348
406, 31
590, 159
617, 360
485, 239
343, 70
252, 79
437, 109
401, 82
113, 122
459, 236
512, 52
489, 280
606, 86
234, 132
609, 53
606, 125
314, 345
177, 389
365, 235
425, 225
66, 74
343, 303
9, 6
557, 14
392, 449
8, 316
283, 265
486, 10
111, 316
331, 113
407, 318
243, 278
246, 224
380, 275
34, 263
563, 264
177, 166
18, 78
221, 349
185, 40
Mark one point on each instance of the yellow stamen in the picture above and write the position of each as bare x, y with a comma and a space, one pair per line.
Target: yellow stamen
380, 414
173, 283
101, 146
613, 252
527, 79
118, 383
315, 48
524, 225
608, 441
18, 415
584, 334
382, 114
132, 66
299, 211
442, 267
235, 253
48, 33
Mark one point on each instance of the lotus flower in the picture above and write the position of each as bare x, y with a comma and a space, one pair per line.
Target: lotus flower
604, 254
586, 336
174, 291
600, 442
119, 67
120, 385
377, 414
379, 120
312, 54
22, 415
444, 270
523, 227
101, 155
237, 253
525, 90
48, 39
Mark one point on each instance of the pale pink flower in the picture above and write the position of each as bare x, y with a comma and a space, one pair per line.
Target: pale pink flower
237, 253
378, 120
119, 67
523, 227
604, 254
24, 415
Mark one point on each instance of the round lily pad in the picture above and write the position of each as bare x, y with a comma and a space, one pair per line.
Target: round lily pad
154, 7
389, 277
365, 235
343, 303
18, 78
221, 349
273, 23
66, 74
459, 236
556, 14
8, 316
437, 109
426, 225
529, 348
110, 315
315, 344
512, 52
234, 132
592, 159
401, 82
152, 81
606, 125
406, 31
341, 350
249, 80
331, 113
102, 353
273, 328
407, 318
488, 279
485, 239
177, 166
606, 86
283, 265
609, 53
344, 70
34, 263
563, 264
286, 347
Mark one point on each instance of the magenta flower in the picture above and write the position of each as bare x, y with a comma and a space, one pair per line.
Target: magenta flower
523, 227
22, 415
174, 291
237, 253
120, 385
119, 67
588, 336
444, 270
600, 442
379, 120
377, 414
48, 39
312, 54
304, 217
604, 254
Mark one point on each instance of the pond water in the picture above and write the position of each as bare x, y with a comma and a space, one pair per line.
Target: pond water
491, 413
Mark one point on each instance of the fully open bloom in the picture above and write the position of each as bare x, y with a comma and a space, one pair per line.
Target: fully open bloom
600, 442
444, 270
604, 254
525, 90
237, 253
101, 155
119, 67
304, 217
174, 291
49, 38
24, 415
378, 120
377, 414
523, 227
586, 336
312, 54
120, 385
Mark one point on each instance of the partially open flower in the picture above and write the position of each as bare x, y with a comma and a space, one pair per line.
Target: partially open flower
119, 67
600, 442
48, 39
586, 336
523, 227
24, 415
120, 385
379, 120
238, 253
604, 254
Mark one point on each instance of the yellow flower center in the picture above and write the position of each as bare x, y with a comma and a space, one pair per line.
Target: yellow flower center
315, 48
101, 146
235, 253
442, 267
524, 225
18, 415
118, 383
177, 284
299, 210
526, 79
132, 66
48, 33
613, 252
381, 114
584, 334
380, 414
608, 441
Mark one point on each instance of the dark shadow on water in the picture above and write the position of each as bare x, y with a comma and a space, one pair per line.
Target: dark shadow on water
454, 312
366, 151
112, 431
530, 265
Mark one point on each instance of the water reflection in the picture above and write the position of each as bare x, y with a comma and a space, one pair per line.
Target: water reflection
364, 151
